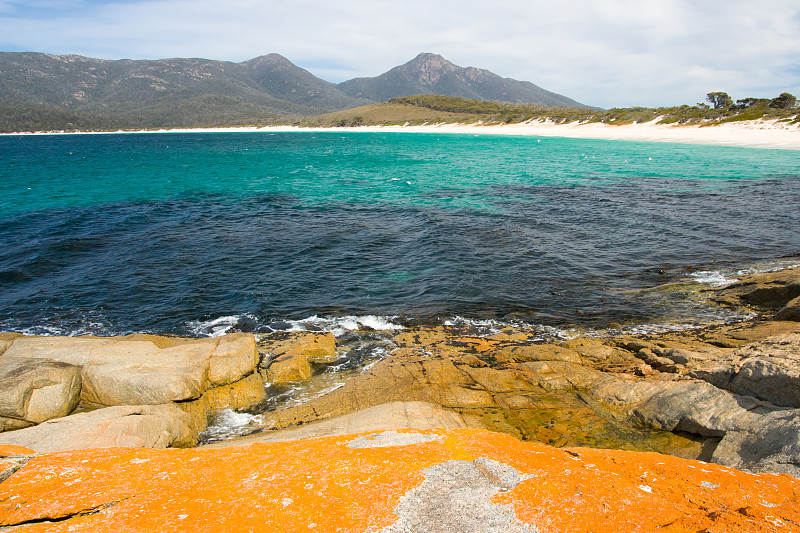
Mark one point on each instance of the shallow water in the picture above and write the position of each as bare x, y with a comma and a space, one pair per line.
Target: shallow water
206, 233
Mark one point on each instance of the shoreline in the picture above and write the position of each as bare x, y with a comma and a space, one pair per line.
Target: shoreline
752, 134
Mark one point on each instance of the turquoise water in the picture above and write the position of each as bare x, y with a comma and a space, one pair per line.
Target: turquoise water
168, 232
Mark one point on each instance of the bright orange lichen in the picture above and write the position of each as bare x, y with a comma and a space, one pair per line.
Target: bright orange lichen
7, 450
323, 485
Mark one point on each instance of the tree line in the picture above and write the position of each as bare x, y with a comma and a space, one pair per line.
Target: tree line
722, 100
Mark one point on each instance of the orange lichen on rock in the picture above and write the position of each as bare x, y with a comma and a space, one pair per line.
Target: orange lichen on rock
370, 482
8, 450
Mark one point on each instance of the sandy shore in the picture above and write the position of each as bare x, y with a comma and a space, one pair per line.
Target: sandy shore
757, 134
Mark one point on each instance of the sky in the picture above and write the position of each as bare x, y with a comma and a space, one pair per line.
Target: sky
611, 53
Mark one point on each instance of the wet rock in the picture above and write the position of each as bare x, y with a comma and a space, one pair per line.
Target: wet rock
288, 367
442, 480
791, 311
33, 391
290, 354
144, 426
769, 290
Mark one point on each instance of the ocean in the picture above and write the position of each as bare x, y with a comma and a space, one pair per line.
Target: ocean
204, 233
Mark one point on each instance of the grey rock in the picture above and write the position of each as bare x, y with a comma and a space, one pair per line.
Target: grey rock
754, 436
768, 370
773, 446
698, 408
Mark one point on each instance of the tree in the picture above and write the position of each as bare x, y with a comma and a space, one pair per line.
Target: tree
719, 100
750, 102
784, 101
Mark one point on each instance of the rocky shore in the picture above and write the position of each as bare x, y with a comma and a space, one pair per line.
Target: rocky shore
511, 417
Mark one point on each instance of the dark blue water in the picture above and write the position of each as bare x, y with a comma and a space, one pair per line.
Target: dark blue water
167, 232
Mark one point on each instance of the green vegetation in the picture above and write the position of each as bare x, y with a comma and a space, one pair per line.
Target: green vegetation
431, 109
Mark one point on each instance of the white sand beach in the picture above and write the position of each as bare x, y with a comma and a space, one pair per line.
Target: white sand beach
755, 133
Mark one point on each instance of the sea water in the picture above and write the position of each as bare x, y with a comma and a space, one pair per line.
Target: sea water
204, 233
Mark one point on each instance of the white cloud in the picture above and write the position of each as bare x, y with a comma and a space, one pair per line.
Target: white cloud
611, 53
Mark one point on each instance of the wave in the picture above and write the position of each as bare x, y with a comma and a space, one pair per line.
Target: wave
722, 277
337, 325
344, 324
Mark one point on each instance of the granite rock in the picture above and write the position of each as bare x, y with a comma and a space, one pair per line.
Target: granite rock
37, 390
137, 370
148, 426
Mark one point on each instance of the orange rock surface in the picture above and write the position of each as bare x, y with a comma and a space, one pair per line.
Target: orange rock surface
329, 484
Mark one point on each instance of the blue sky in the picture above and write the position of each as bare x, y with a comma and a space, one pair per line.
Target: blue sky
611, 53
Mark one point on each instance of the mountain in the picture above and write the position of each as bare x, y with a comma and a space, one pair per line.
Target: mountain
433, 74
49, 92
161, 93
283, 79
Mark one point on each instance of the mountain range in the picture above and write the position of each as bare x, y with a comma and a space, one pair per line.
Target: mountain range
46, 92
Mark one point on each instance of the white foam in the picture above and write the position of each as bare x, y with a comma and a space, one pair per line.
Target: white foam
341, 325
491, 327
767, 268
215, 327
227, 423
715, 278
718, 278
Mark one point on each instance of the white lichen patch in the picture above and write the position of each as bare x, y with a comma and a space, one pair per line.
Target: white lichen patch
456, 497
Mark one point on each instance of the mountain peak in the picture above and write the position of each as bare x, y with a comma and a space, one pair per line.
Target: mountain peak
428, 68
428, 57
269, 59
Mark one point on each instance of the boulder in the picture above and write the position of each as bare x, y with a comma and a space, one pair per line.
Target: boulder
142, 426
145, 369
37, 390
790, 312
234, 357
244, 393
